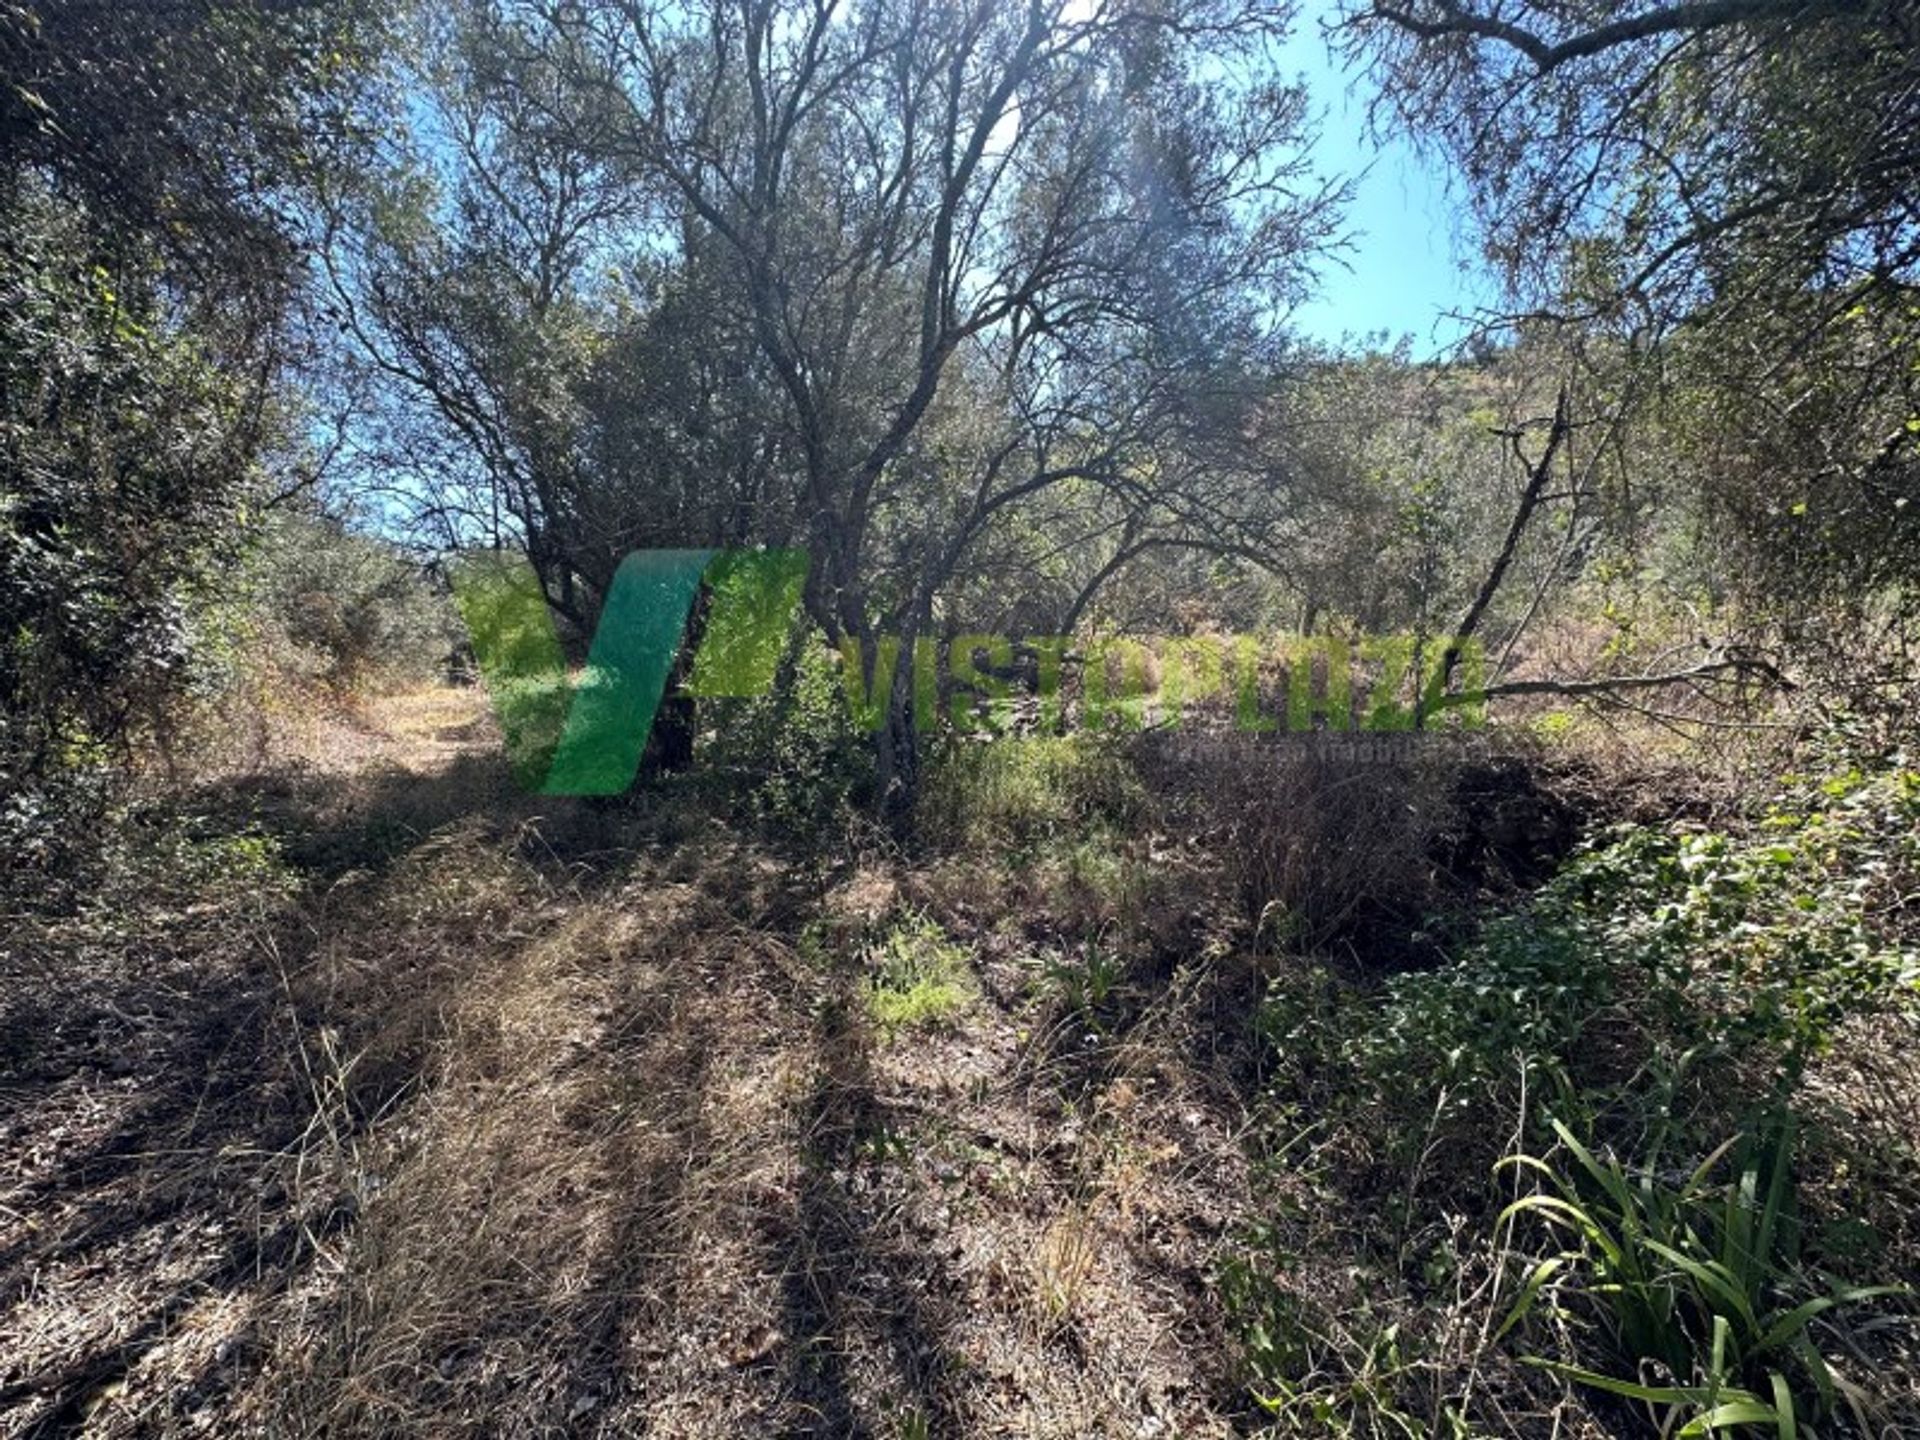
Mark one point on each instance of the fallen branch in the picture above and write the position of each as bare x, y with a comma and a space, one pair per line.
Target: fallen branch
1607, 685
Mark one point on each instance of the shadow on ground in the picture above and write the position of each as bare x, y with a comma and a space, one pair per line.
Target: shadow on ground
478, 1114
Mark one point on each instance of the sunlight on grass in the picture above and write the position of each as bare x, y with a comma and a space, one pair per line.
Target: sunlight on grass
921, 977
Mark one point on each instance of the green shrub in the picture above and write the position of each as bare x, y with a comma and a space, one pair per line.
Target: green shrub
1659, 951
1666, 986
1018, 794
916, 975
1086, 979
791, 759
126, 460
1687, 1288
345, 609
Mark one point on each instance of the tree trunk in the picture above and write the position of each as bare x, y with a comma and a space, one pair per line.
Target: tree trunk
670, 747
676, 722
897, 748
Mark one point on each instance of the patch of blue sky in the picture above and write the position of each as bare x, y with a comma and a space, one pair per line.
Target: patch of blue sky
1410, 267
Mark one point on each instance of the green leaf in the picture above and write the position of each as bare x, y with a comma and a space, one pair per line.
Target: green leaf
1632, 1390
1749, 1410
1783, 1406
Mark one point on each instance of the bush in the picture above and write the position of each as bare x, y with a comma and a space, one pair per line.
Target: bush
791, 759
126, 455
1671, 985
1323, 847
1323, 850
346, 610
312, 619
1659, 951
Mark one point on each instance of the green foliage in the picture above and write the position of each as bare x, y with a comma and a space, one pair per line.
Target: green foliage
1693, 1286
147, 158
1085, 980
178, 126
166, 885
1669, 985
1408, 500
125, 464
917, 975
1739, 953
1315, 1373
1025, 793
791, 758
345, 609
1732, 260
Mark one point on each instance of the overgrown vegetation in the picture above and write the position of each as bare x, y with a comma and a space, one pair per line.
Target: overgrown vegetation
1670, 987
1059, 1003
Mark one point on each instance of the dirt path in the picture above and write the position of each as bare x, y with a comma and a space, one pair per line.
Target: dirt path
498, 1118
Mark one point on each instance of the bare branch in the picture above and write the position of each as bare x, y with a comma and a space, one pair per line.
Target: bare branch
1668, 20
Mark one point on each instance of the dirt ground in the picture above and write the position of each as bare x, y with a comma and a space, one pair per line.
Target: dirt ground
476, 1114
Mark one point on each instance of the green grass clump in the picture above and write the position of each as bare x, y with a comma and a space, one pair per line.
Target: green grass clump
920, 976
1699, 1305
1023, 793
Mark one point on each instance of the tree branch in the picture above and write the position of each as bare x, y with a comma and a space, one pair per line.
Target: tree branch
1671, 19
1530, 497
1734, 667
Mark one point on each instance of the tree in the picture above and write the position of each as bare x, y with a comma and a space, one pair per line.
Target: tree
147, 272
958, 255
1720, 196
187, 127
1716, 154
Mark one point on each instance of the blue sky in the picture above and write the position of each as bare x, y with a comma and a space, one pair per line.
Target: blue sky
1408, 265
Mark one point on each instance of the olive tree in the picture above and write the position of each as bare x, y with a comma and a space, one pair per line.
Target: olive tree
947, 259
1719, 198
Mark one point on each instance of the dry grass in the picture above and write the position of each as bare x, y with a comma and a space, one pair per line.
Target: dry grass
481, 1115
514, 1120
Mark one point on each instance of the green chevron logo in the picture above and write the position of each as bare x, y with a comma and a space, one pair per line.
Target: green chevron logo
585, 736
